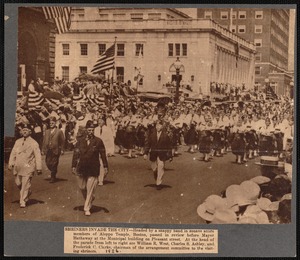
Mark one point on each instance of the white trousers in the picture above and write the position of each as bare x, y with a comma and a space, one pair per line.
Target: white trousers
87, 185
24, 185
160, 167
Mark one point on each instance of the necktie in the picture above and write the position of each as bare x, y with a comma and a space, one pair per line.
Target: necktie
23, 141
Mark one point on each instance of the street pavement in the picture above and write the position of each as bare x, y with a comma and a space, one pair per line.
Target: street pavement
129, 194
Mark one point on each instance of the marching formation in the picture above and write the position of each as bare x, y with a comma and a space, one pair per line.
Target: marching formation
95, 128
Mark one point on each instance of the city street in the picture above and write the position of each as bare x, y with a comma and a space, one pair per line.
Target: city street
129, 194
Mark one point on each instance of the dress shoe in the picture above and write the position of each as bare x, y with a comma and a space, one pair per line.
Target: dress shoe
159, 187
22, 205
52, 180
87, 213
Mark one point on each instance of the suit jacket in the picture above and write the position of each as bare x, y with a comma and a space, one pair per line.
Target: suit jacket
54, 141
161, 148
86, 157
25, 157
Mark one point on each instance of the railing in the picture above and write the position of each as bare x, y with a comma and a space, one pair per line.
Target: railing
159, 25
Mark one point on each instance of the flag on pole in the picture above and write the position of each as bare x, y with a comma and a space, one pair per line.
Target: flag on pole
106, 61
60, 15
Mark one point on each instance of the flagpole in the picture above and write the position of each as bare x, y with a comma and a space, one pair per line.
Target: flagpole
113, 72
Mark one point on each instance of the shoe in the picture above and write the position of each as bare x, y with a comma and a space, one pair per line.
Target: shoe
87, 213
100, 183
22, 205
52, 180
159, 187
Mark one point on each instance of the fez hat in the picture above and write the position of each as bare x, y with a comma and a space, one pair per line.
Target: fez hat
89, 124
24, 125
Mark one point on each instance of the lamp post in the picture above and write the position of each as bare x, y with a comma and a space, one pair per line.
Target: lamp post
177, 65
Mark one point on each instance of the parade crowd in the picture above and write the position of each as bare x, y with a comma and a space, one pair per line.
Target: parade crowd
115, 121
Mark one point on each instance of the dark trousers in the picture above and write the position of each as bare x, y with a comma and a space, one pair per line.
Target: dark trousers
52, 161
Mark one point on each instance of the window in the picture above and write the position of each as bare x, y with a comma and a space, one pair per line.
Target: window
170, 49
208, 15
258, 57
177, 49
258, 14
234, 15
242, 14
66, 49
119, 16
65, 73
78, 12
241, 28
139, 49
184, 49
180, 49
101, 48
258, 28
257, 71
137, 16
120, 49
233, 28
155, 16
258, 42
83, 49
224, 15
83, 69
103, 16
120, 74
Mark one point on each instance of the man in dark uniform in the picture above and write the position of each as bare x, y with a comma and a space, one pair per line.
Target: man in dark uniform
159, 145
86, 164
53, 147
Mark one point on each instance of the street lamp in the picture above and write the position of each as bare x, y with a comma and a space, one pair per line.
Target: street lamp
178, 67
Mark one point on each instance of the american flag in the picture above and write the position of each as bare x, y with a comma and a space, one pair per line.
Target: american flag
61, 16
270, 93
35, 99
106, 61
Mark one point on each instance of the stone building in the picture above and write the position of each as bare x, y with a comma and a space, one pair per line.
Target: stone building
36, 46
148, 43
268, 29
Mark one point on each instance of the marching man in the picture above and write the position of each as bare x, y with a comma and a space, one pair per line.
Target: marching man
86, 164
24, 159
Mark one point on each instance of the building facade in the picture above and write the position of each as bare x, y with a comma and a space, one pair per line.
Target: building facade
36, 46
148, 43
268, 29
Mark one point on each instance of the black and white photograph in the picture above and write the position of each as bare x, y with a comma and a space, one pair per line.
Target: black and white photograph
153, 115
